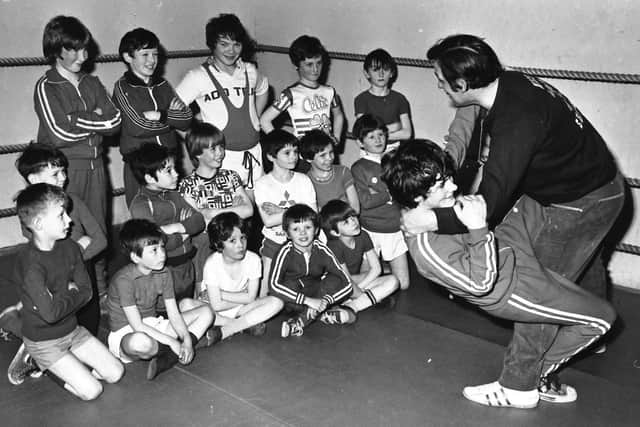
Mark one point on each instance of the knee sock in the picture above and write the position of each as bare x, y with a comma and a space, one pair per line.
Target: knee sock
364, 301
164, 359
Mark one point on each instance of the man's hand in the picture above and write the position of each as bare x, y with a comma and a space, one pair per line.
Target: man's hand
471, 211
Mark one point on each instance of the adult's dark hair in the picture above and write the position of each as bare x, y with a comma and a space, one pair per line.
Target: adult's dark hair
64, 32
467, 57
412, 169
228, 25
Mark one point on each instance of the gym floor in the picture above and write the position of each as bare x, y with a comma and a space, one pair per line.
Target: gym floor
404, 366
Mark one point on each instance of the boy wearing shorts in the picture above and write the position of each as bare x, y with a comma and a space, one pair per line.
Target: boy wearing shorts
53, 285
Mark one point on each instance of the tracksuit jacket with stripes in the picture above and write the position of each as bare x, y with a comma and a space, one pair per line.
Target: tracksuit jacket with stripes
68, 117
133, 97
289, 265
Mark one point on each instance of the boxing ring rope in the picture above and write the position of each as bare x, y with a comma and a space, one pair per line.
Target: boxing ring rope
344, 56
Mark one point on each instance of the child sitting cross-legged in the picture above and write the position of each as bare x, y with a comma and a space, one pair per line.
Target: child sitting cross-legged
231, 280
53, 285
137, 332
306, 275
351, 245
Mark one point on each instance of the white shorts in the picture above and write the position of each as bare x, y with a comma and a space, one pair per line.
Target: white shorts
391, 245
113, 340
234, 160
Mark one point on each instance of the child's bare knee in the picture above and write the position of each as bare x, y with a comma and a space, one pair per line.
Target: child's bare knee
115, 374
90, 390
138, 344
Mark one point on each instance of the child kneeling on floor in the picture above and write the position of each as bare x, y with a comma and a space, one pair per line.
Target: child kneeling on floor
137, 332
53, 285
231, 280
306, 275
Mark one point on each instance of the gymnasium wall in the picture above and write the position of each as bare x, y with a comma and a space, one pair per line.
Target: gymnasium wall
590, 35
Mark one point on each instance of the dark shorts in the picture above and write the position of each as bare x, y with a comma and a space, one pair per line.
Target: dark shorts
46, 353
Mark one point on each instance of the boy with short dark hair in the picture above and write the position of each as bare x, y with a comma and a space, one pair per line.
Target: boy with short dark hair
137, 332
307, 276
310, 104
331, 181
351, 246
158, 201
380, 100
504, 279
151, 111
281, 188
53, 284
379, 213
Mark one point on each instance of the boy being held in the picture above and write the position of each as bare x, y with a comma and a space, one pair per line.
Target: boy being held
231, 94
158, 201
276, 191
307, 276
310, 104
380, 100
151, 111
53, 284
330, 181
231, 280
379, 214
504, 279
351, 245
137, 332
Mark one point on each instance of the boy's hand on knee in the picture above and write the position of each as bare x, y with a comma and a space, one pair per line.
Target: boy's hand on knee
472, 211
186, 352
316, 304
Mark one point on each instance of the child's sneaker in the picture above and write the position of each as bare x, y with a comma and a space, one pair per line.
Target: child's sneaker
211, 337
552, 390
21, 366
256, 330
493, 394
341, 315
10, 322
292, 328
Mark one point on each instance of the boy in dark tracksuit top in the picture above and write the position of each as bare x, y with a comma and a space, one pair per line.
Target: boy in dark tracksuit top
158, 201
306, 275
151, 111
504, 279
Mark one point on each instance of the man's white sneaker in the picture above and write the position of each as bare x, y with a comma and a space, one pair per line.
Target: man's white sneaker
493, 394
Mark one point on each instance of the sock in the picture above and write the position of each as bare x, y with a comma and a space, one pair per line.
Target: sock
162, 361
60, 382
364, 301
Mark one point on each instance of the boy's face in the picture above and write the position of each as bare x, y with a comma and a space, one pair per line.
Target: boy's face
348, 227
323, 160
166, 177
143, 62
379, 76
441, 194
152, 259
54, 175
235, 247
54, 222
310, 69
374, 142
302, 233
227, 52
212, 157
71, 59
286, 158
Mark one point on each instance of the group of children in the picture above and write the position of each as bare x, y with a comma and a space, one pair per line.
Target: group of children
191, 281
